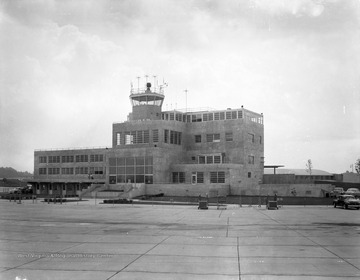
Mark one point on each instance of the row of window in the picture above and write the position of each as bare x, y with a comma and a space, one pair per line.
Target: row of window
130, 161
133, 137
72, 170
132, 170
136, 137
71, 158
215, 137
55, 187
143, 137
216, 177
211, 116
139, 178
172, 137
210, 159
216, 159
251, 138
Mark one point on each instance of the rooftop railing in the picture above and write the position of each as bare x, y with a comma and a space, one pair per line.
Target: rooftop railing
157, 90
78, 148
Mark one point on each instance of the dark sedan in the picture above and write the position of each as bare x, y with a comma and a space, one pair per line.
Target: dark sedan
347, 201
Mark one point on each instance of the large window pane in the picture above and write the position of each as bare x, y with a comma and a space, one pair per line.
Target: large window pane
130, 161
121, 179
221, 177
112, 179
200, 177
148, 179
130, 179
148, 169
112, 161
217, 159
181, 177
213, 177
148, 160
140, 179
120, 161
140, 161
175, 177
121, 170
140, 170
130, 169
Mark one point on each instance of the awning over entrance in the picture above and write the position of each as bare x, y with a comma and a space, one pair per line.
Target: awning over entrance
273, 166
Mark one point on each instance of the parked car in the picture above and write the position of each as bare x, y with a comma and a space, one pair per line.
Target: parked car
353, 191
27, 190
347, 201
15, 190
336, 192
23, 190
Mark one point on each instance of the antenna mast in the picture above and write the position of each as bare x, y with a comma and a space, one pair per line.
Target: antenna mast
138, 78
186, 91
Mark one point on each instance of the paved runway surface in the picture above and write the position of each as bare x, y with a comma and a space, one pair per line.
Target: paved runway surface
88, 240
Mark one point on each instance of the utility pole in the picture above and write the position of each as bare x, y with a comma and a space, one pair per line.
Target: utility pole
186, 91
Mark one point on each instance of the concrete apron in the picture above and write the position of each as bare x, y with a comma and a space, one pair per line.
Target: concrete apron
88, 240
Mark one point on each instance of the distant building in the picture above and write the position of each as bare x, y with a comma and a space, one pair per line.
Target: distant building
350, 177
297, 176
319, 184
176, 152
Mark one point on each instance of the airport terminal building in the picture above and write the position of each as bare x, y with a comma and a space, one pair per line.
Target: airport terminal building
174, 152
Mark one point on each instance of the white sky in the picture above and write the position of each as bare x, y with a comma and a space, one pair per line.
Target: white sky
66, 68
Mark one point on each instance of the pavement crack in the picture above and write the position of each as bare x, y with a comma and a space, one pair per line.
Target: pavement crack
227, 227
138, 257
308, 238
238, 256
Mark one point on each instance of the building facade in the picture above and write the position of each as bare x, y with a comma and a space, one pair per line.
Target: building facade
167, 150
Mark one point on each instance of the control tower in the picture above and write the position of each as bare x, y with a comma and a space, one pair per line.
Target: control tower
146, 102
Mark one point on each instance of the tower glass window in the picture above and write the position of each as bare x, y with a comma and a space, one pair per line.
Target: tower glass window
228, 136
118, 138
178, 177
131, 170
166, 136
213, 137
217, 177
200, 177
155, 135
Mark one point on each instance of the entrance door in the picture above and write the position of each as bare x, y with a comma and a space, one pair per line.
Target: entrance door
193, 178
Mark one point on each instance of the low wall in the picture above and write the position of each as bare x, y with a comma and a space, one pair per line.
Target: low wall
213, 190
92, 190
125, 190
106, 194
286, 200
246, 201
304, 190
188, 190
134, 191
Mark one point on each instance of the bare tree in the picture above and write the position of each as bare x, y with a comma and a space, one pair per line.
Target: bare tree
357, 166
309, 166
